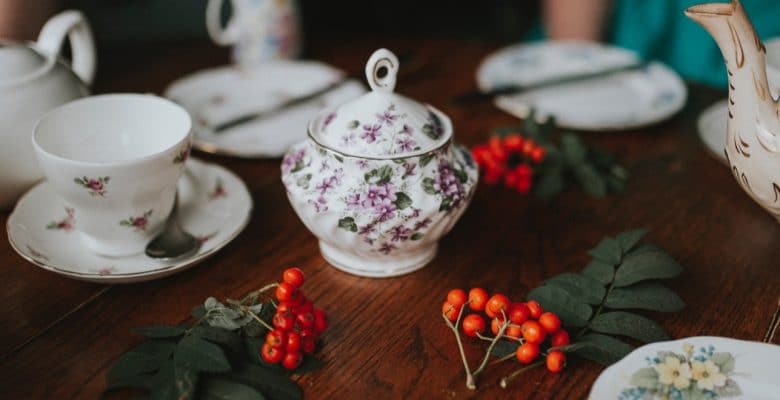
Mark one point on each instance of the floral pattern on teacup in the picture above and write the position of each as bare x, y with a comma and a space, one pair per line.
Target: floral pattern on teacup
65, 224
138, 223
105, 271
183, 154
380, 204
96, 186
218, 191
694, 374
205, 238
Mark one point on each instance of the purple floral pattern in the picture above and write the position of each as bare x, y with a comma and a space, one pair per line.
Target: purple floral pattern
387, 204
65, 224
138, 223
183, 154
96, 186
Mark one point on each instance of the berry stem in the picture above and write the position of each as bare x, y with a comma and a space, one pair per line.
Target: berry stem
469, 378
253, 295
505, 380
492, 344
504, 358
257, 318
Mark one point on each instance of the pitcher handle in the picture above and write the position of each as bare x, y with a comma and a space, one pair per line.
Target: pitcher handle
74, 25
223, 36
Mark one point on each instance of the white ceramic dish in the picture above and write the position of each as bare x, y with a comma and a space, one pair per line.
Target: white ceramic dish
619, 101
215, 205
712, 129
215, 96
706, 367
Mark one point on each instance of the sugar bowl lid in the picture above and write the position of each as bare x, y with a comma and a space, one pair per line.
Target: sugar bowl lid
381, 123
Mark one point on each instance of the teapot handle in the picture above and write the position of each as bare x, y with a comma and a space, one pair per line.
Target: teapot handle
221, 36
72, 24
381, 70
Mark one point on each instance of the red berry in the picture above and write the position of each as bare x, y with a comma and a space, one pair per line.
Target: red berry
527, 353
276, 338
556, 360
293, 342
450, 311
524, 185
308, 341
519, 313
284, 307
513, 331
528, 147
457, 297
493, 175
305, 306
320, 320
271, 355
550, 322
286, 292
496, 304
536, 309
480, 154
560, 338
473, 324
285, 321
292, 361
495, 325
533, 332
497, 149
305, 320
293, 276
524, 171
537, 154
511, 180
513, 143
478, 298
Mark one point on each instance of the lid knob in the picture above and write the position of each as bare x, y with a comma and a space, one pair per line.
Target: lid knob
381, 71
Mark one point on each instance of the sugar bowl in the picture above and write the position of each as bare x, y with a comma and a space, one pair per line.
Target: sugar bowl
379, 179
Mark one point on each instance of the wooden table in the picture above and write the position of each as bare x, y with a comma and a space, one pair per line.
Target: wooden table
387, 339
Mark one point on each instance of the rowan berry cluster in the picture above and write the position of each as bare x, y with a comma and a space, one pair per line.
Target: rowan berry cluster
509, 160
297, 325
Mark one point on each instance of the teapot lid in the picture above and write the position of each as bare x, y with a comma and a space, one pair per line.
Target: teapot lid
381, 123
18, 60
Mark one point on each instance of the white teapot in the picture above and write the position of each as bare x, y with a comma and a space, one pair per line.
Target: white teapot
33, 80
380, 180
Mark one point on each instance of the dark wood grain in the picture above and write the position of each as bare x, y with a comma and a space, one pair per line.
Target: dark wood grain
387, 339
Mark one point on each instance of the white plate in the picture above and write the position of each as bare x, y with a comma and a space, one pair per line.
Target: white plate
619, 101
215, 96
215, 206
712, 129
748, 369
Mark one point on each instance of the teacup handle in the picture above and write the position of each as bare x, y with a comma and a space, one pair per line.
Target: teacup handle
223, 36
74, 25
381, 71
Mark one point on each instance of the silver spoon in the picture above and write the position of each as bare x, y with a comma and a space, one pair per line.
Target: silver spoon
173, 241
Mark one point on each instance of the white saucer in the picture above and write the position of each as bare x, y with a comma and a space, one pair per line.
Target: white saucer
748, 368
619, 101
712, 129
215, 96
215, 206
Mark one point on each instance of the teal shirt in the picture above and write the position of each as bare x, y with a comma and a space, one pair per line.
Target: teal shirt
659, 30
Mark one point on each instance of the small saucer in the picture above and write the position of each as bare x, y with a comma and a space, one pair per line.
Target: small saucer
215, 206
219, 95
712, 129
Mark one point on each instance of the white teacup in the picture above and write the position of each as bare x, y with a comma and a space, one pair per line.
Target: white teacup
115, 159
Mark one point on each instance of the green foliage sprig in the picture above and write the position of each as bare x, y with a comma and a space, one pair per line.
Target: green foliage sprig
217, 357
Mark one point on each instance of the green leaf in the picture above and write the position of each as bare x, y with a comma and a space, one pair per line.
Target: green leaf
338, 158
629, 239
549, 184
428, 185
200, 355
608, 251
590, 180
460, 174
158, 348
402, 201
198, 312
161, 331
615, 184
185, 382
645, 378
348, 223
725, 361
573, 149
647, 296
649, 264
380, 175
557, 300
309, 364
353, 124
161, 385
275, 385
600, 271
132, 363
602, 349
582, 288
219, 389
504, 348
424, 160
730, 389
629, 324
416, 236
227, 338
